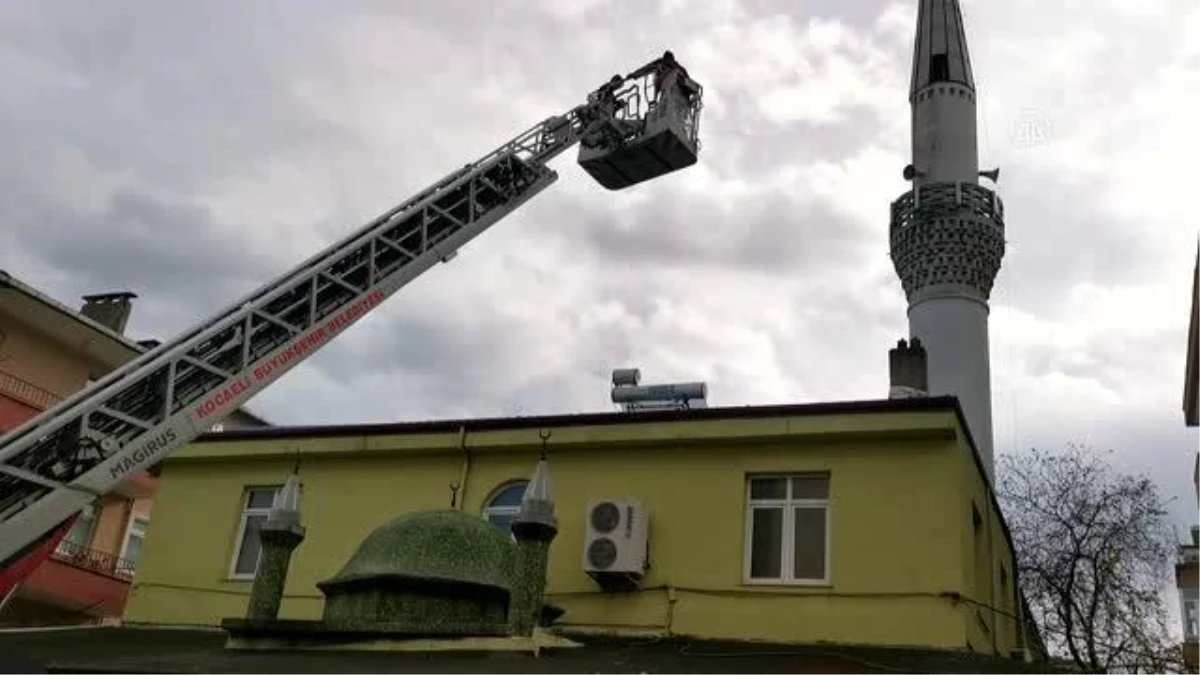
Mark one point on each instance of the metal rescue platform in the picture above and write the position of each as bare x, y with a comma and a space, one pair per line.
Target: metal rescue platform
652, 125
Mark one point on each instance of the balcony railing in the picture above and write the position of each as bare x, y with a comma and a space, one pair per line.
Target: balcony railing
935, 200
95, 561
26, 392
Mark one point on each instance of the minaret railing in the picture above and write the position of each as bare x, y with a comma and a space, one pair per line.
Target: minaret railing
933, 200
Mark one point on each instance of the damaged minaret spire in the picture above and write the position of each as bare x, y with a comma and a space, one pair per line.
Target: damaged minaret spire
947, 233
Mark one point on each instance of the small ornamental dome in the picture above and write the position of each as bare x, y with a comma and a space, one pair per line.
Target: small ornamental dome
427, 572
436, 546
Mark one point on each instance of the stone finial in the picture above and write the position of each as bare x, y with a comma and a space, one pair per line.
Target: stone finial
279, 536
285, 510
537, 504
533, 528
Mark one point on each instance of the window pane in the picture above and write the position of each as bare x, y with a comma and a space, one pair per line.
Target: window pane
509, 496
137, 535
261, 499
766, 544
501, 520
133, 548
247, 560
809, 560
81, 532
768, 488
810, 487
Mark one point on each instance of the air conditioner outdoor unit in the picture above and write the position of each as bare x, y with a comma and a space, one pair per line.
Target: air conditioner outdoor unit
616, 552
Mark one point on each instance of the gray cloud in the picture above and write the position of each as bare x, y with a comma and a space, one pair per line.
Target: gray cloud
172, 93
772, 233
142, 249
1059, 235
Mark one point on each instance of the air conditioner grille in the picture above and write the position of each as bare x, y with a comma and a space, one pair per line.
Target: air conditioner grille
602, 553
605, 517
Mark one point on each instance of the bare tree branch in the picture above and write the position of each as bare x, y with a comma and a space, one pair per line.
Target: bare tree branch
1093, 553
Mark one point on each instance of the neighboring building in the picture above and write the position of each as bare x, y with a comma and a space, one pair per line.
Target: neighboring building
1191, 373
47, 353
1187, 580
1187, 567
855, 523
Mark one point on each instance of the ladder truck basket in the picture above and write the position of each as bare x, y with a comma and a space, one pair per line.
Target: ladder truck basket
653, 128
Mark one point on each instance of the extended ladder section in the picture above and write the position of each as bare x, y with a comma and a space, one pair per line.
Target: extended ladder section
62, 460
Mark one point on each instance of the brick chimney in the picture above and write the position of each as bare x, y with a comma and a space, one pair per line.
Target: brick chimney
109, 309
909, 373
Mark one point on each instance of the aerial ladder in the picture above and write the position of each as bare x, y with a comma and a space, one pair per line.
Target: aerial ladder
633, 128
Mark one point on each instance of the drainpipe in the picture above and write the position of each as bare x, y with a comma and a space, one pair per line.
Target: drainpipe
466, 467
671, 598
991, 571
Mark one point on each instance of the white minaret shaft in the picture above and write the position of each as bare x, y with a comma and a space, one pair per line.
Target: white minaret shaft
947, 234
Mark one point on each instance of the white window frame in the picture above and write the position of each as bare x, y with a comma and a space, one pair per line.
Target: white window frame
1191, 613
489, 509
133, 520
789, 504
241, 530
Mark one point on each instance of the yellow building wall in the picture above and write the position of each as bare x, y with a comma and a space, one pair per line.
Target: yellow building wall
896, 540
990, 606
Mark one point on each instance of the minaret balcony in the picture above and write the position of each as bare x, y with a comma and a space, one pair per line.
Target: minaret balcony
947, 236
941, 200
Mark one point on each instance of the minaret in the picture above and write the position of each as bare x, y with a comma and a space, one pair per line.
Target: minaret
534, 527
280, 535
947, 233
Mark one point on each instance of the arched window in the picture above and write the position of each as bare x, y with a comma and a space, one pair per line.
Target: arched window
503, 505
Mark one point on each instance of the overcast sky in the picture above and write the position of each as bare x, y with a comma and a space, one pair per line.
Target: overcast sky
190, 151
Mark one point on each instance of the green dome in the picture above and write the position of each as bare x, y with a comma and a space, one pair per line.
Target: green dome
436, 546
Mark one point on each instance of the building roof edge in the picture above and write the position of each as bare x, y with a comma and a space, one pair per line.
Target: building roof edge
478, 424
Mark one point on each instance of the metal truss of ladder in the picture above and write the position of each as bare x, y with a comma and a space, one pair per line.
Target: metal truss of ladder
66, 457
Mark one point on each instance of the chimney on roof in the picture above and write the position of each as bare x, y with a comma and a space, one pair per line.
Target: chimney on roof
908, 370
109, 309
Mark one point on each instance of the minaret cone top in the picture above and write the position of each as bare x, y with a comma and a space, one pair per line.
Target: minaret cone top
539, 488
286, 508
940, 50
537, 505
